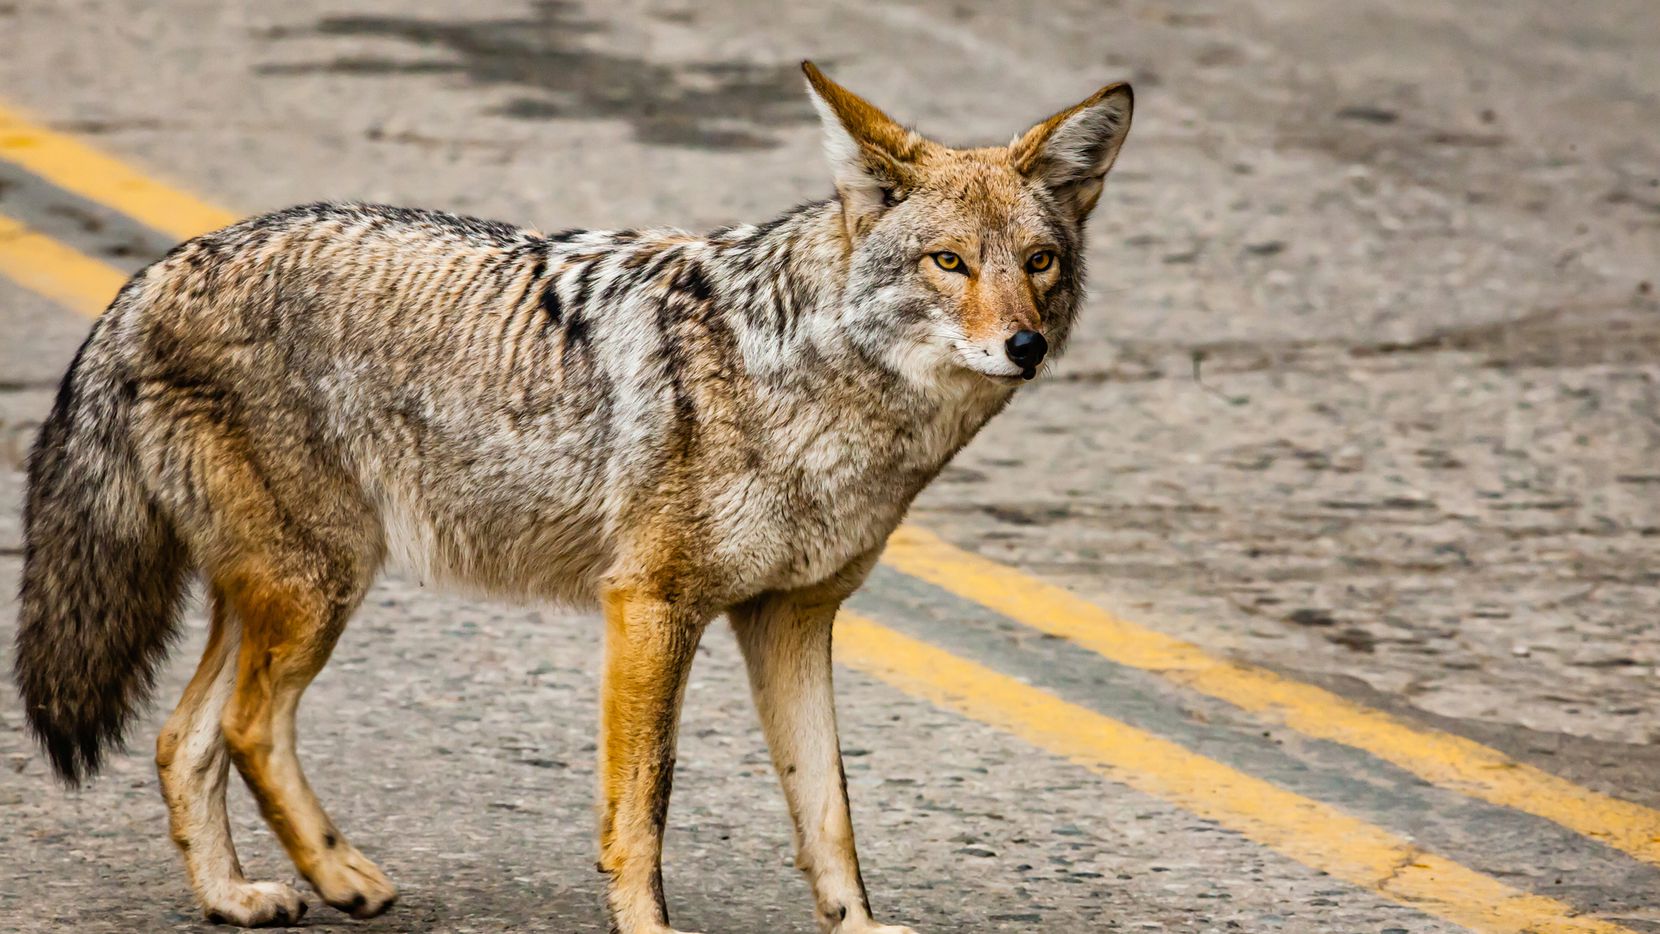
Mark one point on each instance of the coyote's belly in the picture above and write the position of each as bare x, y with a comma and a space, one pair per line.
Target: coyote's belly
547, 548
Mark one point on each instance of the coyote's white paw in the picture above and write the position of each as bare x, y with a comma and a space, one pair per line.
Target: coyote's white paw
350, 882
256, 904
871, 927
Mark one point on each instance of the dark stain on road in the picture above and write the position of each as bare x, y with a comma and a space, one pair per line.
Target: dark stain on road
1591, 333
720, 105
1596, 332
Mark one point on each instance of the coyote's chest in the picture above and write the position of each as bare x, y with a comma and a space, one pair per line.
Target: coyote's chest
833, 485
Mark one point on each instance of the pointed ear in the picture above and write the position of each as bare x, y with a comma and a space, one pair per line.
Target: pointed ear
1072, 151
870, 154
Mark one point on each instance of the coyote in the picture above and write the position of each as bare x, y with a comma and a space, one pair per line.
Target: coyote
662, 425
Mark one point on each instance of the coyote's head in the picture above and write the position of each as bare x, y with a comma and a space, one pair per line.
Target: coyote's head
967, 259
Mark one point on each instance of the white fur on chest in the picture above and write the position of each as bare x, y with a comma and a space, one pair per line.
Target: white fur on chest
838, 488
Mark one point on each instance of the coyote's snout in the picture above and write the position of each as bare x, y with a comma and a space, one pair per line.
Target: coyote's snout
666, 426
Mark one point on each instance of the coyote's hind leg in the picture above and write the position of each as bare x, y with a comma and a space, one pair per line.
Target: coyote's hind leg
193, 764
288, 543
289, 627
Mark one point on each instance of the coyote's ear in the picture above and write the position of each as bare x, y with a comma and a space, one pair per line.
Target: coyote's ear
1072, 151
869, 153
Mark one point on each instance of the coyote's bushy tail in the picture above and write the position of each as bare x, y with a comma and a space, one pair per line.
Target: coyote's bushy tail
103, 570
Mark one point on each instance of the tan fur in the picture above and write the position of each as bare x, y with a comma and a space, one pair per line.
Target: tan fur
785, 638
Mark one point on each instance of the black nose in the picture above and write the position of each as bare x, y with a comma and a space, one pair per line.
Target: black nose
1026, 349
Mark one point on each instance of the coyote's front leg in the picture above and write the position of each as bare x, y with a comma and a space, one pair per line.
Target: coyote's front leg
649, 644
786, 643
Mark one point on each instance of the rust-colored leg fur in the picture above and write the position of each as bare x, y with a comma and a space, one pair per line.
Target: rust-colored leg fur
288, 546
288, 630
192, 761
649, 644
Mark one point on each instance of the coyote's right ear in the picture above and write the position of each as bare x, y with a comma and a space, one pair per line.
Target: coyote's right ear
868, 151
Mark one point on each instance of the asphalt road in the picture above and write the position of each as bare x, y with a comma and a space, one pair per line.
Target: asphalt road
1324, 576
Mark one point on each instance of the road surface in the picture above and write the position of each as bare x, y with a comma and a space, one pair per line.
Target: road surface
1314, 591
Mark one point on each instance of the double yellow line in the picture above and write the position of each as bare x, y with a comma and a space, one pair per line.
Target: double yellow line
1310, 832
1439, 758
50, 269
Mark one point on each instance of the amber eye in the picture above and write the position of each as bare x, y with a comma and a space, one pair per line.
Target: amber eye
1040, 261
948, 261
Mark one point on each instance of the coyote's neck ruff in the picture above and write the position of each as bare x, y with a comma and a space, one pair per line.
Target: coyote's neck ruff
667, 425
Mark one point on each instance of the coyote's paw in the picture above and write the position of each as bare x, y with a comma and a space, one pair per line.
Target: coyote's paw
256, 904
348, 881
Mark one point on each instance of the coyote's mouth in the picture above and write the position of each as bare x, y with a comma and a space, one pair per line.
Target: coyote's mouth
991, 363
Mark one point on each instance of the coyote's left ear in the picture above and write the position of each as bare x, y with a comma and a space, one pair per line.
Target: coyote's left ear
1072, 151
870, 154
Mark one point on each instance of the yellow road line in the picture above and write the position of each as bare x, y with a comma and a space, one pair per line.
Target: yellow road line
76, 167
1440, 758
58, 272
1314, 834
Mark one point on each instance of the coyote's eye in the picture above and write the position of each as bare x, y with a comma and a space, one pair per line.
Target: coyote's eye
948, 261
1040, 261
